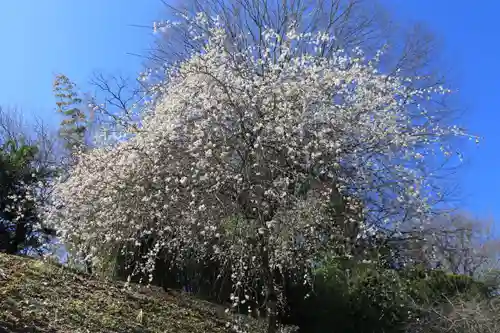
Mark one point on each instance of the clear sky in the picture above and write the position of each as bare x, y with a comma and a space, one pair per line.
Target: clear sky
42, 38
469, 32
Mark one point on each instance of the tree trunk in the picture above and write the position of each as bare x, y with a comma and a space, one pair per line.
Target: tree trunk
88, 267
271, 297
272, 319
18, 239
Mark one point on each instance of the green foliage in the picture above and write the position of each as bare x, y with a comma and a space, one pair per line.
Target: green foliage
16, 154
351, 297
74, 124
361, 297
18, 218
432, 287
491, 280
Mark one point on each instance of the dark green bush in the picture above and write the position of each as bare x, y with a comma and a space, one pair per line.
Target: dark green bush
369, 298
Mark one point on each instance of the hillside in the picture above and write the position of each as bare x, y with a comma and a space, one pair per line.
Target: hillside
36, 296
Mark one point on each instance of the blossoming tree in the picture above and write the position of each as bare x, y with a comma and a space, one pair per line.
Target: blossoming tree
259, 159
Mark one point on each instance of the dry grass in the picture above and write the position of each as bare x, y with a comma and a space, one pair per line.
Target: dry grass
36, 296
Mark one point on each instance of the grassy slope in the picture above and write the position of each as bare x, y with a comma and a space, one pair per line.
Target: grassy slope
36, 296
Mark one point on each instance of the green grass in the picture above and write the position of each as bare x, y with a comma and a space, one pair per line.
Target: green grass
37, 296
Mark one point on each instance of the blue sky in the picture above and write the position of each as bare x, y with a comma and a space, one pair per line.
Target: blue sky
42, 38
470, 40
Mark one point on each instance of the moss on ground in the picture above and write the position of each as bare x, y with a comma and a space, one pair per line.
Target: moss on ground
37, 296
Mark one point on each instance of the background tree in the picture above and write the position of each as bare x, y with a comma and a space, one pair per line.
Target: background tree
464, 245
117, 102
410, 49
76, 132
455, 242
74, 125
25, 167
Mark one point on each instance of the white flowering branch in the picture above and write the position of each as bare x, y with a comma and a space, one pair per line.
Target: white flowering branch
259, 162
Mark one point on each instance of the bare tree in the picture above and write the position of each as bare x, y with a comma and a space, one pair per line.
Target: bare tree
116, 101
457, 243
409, 49
13, 125
458, 316
467, 245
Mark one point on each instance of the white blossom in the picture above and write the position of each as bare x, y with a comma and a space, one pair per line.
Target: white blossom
239, 154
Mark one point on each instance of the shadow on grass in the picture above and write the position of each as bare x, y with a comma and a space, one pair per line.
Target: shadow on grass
6, 327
